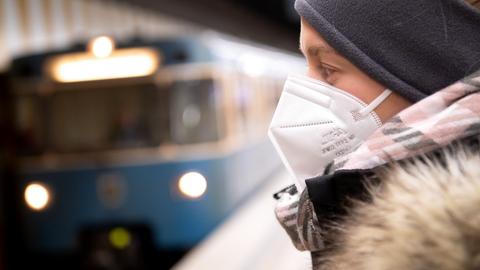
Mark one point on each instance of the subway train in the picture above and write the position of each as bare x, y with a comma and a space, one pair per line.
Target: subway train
133, 150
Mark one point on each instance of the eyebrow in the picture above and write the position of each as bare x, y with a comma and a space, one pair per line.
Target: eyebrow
316, 50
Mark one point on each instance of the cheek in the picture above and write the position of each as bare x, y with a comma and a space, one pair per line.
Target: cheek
361, 87
313, 73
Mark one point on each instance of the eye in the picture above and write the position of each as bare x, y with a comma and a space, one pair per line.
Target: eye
326, 72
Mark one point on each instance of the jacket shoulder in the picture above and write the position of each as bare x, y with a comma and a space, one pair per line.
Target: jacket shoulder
424, 214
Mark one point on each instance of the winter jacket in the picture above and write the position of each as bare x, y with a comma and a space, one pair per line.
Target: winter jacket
408, 198
421, 214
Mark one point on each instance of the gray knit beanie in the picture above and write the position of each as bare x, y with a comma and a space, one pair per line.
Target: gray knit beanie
414, 47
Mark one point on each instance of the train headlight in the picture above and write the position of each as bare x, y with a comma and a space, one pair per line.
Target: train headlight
192, 185
37, 196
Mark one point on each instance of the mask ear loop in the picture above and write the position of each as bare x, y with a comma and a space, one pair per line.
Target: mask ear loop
375, 103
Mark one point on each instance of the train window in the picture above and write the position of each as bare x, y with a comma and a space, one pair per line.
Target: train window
106, 118
243, 100
194, 112
128, 116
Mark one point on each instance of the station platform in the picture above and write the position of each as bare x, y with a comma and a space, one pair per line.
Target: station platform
251, 239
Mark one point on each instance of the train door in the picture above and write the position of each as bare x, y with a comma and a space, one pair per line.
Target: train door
196, 115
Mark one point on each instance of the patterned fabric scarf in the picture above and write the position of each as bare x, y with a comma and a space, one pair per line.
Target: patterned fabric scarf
450, 114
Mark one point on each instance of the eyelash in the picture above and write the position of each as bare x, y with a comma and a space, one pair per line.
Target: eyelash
326, 72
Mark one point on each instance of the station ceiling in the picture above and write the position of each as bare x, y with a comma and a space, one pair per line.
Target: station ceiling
272, 22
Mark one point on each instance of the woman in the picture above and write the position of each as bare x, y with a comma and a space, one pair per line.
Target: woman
399, 195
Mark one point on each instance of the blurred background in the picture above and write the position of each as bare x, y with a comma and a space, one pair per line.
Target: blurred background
133, 133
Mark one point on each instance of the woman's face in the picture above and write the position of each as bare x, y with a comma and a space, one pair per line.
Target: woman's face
327, 65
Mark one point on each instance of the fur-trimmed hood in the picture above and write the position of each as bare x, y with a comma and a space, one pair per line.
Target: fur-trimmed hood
424, 215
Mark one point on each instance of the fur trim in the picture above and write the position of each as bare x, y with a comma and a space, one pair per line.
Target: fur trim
425, 215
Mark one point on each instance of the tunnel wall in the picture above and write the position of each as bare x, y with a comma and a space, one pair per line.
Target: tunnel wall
28, 26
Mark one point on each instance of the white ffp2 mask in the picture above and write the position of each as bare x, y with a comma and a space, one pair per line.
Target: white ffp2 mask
314, 123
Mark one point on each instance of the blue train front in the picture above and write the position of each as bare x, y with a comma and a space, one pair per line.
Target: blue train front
147, 146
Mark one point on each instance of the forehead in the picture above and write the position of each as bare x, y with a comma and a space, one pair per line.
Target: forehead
311, 42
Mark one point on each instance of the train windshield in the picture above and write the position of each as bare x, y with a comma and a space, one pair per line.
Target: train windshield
119, 117
109, 117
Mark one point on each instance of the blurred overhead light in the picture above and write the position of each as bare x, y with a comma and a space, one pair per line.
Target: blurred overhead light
192, 184
37, 196
102, 46
253, 65
124, 63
